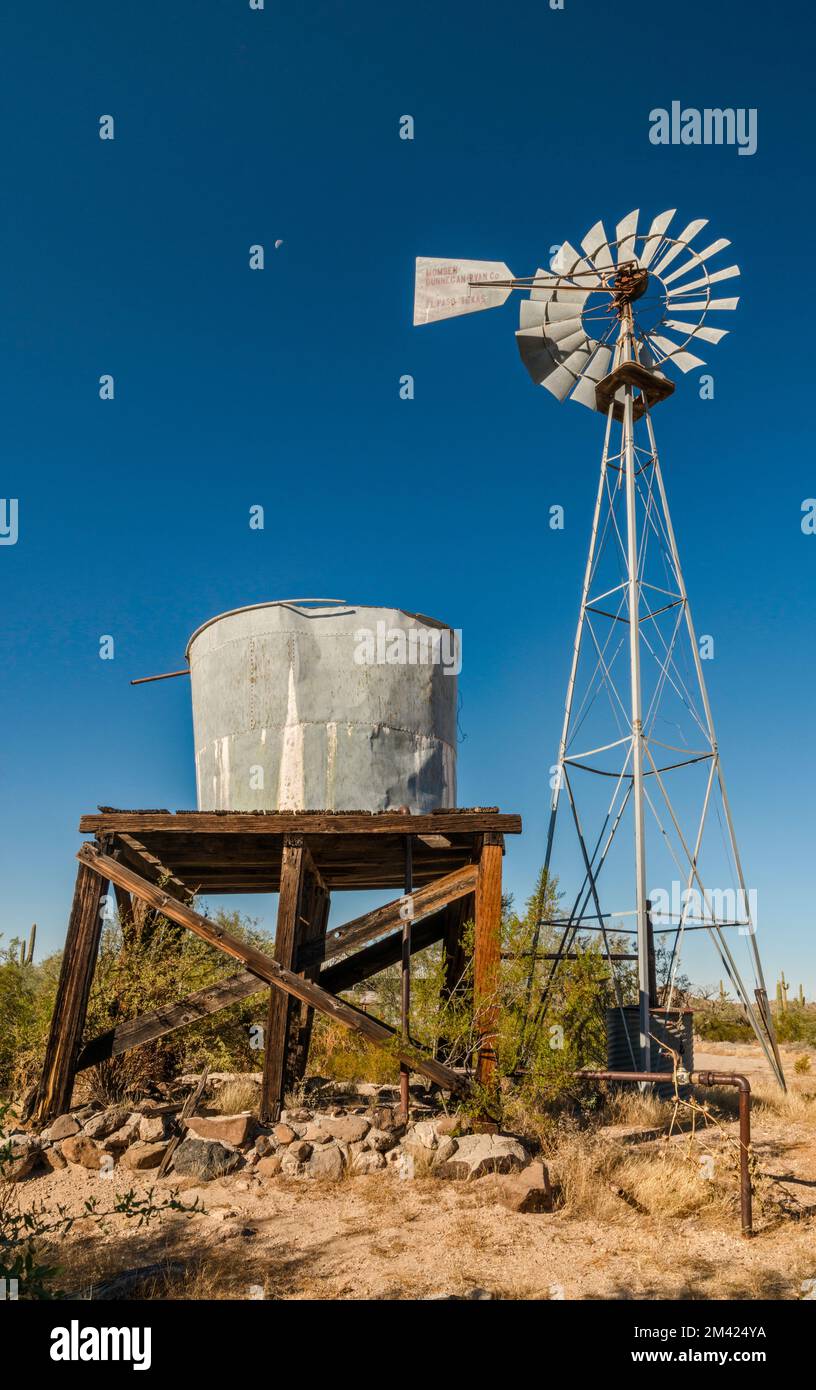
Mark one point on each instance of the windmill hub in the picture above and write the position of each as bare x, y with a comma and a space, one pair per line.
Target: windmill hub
630, 283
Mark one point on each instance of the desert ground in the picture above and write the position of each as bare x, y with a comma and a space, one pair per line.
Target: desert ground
636, 1215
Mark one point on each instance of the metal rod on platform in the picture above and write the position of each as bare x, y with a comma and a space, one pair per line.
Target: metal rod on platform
405, 998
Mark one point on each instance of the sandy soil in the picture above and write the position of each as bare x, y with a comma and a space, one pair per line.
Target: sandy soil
377, 1237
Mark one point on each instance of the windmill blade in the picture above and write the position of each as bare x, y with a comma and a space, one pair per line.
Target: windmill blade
693, 330
686, 361
686, 236
556, 366
625, 234
565, 335
562, 381
685, 306
596, 370
727, 274
568, 335
443, 289
567, 261
597, 247
657, 231
697, 258
543, 292
533, 313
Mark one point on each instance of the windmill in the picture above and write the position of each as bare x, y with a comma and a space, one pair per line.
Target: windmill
638, 761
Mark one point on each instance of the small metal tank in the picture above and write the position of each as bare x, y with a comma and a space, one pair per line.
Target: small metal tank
309, 704
672, 1027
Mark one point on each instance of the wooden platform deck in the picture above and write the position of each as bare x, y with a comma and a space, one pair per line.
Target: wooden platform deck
241, 852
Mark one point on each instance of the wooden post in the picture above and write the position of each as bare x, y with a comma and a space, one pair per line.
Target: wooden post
71, 1004
314, 930
405, 979
487, 961
282, 1009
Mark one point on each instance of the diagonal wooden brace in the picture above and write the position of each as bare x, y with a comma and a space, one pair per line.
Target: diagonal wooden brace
268, 969
415, 906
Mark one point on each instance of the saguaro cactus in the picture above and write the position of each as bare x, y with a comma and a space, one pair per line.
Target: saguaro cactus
27, 953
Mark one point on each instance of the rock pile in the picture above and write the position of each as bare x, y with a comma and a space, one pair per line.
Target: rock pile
322, 1142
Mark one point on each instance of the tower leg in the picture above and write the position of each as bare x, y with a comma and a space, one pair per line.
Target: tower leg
73, 991
283, 1010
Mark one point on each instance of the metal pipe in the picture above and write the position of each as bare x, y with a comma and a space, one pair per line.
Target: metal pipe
705, 1079
722, 1078
166, 676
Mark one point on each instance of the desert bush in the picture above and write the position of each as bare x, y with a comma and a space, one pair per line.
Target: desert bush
546, 1044
597, 1179
26, 1002
722, 1023
146, 962
796, 1025
143, 963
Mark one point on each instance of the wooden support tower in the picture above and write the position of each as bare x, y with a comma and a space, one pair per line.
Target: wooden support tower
159, 860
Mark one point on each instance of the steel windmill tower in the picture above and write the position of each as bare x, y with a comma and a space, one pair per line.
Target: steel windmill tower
601, 328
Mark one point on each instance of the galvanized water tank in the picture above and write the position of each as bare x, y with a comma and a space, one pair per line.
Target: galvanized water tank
315, 705
672, 1027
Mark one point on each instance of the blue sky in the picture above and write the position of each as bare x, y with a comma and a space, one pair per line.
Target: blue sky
281, 387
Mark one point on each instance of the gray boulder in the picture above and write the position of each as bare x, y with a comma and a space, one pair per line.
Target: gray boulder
348, 1128
63, 1128
205, 1159
25, 1155
100, 1126
326, 1162
369, 1161
477, 1154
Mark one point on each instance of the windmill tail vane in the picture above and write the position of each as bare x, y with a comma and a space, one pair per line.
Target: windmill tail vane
639, 774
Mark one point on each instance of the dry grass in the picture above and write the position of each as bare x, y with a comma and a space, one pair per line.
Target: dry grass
235, 1097
634, 1107
798, 1107
598, 1178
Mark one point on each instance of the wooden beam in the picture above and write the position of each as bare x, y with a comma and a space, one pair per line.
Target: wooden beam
147, 1027
281, 1014
345, 974
425, 901
302, 823
73, 990
487, 958
133, 853
270, 970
